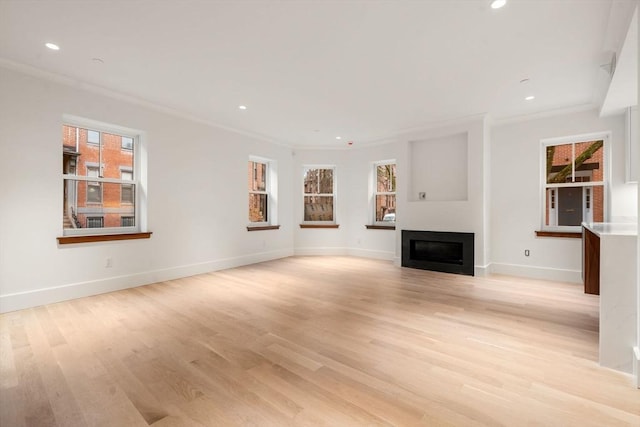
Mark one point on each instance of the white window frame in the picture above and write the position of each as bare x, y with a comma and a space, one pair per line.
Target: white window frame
575, 139
271, 190
139, 175
375, 192
334, 194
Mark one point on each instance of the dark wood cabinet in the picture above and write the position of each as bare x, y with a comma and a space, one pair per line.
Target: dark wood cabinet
590, 262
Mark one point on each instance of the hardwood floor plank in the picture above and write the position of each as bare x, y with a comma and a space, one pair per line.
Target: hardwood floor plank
315, 341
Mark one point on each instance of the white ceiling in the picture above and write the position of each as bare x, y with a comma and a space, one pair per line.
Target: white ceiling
309, 71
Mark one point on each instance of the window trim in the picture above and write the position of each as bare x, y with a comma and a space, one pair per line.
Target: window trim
605, 136
330, 223
374, 224
139, 181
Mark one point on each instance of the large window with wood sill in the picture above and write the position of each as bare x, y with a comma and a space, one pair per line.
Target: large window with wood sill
263, 197
384, 194
574, 182
319, 187
101, 179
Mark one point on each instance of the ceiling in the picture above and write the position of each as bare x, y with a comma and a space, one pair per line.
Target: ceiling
309, 71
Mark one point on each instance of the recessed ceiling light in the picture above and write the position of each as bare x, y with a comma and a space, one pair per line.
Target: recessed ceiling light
338, 137
529, 98
242, 107
497, 4
52, 46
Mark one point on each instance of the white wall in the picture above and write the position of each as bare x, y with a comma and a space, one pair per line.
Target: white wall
515, 198
197, 197
462, 216
353, 205
197, 205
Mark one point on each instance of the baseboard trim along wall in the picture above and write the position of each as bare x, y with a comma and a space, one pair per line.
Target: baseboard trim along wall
542, 273
22, 300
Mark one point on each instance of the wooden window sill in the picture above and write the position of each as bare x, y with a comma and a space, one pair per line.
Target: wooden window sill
569, 234
262, 227
66, 240
319, 225
380, 227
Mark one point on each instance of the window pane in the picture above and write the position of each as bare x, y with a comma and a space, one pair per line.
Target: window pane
257, 176
318, 181
386, 178
127, 143
126, 193
93, 137
311, 181
386, 208
114, 158
326, 181
318, 208
589, 161
127, 221
258, 207
559, 160
85, 199
570, 206
587, 165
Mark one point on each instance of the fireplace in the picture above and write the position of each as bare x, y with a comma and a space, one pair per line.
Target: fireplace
448, 252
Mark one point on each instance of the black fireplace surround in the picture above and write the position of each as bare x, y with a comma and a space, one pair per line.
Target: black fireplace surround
447, 252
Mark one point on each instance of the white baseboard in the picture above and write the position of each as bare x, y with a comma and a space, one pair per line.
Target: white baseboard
482, 270
22, 300
636, 365
543, 273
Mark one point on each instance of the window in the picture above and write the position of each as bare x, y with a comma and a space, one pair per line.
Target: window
100, 174
93, 137
258, 194
95, 222
385, 193
319, 194
94, 188
127, 143
126, 190
574, 182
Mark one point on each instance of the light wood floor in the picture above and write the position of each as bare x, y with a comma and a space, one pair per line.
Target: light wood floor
329, 341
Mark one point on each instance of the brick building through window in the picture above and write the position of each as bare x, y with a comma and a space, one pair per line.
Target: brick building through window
109, 200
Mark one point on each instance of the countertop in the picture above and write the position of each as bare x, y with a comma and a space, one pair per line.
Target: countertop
612, 228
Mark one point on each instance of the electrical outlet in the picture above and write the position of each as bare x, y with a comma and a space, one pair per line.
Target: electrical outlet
108, 263
422, 195
526, 252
